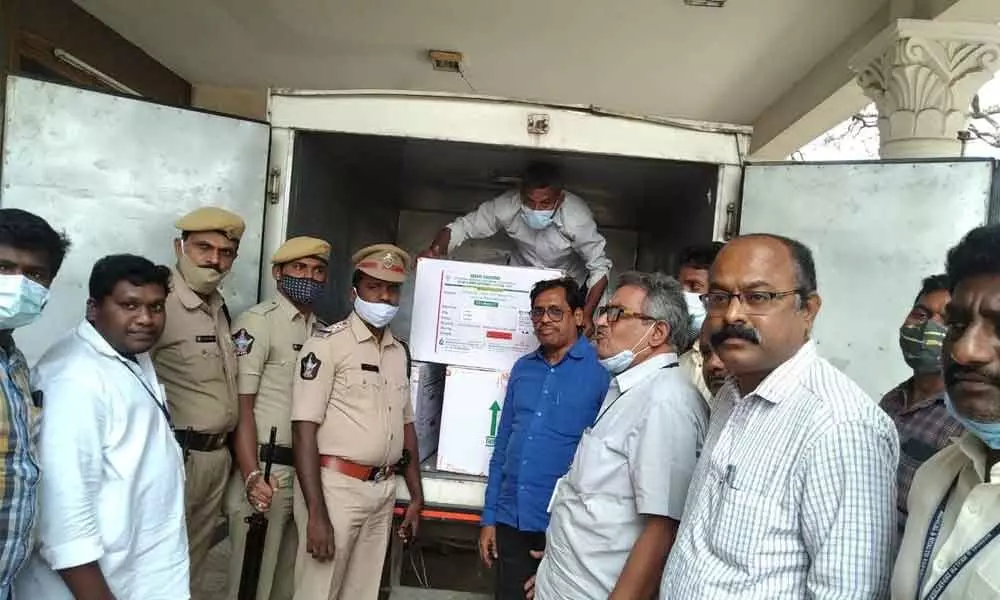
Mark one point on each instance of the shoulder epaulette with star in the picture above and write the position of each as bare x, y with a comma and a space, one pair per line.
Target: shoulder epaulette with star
324, 331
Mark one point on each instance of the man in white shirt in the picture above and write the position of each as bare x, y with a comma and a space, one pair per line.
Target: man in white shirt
951, 546
549, 226
794, 495
111, 520
615, 514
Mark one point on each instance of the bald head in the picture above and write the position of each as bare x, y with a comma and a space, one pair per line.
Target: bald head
775, 281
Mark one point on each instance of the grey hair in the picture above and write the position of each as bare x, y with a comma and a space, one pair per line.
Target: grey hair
664, 302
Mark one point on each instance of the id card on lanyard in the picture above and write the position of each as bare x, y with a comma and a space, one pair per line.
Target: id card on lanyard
933, 532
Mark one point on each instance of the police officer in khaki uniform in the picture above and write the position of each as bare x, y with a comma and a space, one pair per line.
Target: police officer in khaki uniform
268, 338
196, 363
351, 420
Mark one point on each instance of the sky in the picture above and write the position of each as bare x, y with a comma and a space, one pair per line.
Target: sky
840, 144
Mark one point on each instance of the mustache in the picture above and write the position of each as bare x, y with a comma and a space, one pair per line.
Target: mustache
954, 372
740, 332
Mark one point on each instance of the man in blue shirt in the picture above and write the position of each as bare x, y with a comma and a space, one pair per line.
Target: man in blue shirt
553, 395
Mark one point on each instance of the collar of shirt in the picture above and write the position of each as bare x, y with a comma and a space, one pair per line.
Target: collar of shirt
362, 333
897, 399
89, 334
783, 382
188, 297
632, 376
975, 449
291, 313
577, 351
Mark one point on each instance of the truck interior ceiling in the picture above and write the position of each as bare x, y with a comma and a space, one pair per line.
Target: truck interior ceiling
354, 190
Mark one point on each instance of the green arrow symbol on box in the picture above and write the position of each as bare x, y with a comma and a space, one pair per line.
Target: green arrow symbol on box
494, 412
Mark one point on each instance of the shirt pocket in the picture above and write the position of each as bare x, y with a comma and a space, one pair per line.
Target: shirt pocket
569, 418
740, 522
202, 359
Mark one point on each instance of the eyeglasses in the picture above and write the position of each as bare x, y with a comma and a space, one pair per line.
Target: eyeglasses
753, 303
614, 313
555, 313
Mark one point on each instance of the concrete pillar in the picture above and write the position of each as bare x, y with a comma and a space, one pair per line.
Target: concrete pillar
922, 76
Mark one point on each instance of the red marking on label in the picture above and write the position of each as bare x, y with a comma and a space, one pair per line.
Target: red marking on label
499, 335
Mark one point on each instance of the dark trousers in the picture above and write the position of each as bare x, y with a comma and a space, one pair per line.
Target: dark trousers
515, 565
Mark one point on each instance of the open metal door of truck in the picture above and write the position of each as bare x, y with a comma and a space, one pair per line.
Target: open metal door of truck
115, 173
876, 230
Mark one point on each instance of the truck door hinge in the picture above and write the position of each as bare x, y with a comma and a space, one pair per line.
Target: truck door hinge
273, 181
538, 124
732, 226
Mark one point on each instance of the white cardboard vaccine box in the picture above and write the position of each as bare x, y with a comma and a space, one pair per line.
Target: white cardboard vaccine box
473, 314
473, 401
427, 396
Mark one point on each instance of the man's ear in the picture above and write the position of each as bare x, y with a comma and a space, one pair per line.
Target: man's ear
659, 335
811, 306
578, 317
178, 245
91, 314
276, 272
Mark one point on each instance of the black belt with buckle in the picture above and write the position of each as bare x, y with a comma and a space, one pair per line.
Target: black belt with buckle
283, 455
200, 442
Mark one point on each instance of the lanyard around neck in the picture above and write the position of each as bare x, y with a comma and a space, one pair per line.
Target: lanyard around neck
145, 386
605, 411
933, 531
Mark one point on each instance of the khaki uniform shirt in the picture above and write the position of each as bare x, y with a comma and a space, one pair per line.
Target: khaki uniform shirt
690, 364
268, 338
972, 510
357, 390
195, 361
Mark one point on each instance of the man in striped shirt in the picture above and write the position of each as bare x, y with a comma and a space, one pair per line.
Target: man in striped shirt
31, 253
794, 495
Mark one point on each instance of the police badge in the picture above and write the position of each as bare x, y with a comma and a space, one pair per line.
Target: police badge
243, 342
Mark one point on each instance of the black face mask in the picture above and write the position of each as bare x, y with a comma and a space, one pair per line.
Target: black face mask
300, 290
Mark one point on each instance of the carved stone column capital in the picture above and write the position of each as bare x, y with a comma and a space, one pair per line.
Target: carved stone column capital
922, 76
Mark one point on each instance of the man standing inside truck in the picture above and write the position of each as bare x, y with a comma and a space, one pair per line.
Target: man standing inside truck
31, 253
352, 423
615, 514
550, 228
552, 395
268, 338
917, 406
196, 363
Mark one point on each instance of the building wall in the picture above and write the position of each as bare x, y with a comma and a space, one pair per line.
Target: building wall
34, 28
240, 102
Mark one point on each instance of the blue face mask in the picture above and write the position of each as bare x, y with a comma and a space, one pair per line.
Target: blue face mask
620, 362
988, 432
537, 219
21, 301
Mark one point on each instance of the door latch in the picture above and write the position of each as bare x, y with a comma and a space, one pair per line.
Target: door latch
273, 177
732, 226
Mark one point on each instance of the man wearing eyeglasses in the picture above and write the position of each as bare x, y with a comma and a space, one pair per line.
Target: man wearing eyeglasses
795, 492
552, 395
550, 228
615, 514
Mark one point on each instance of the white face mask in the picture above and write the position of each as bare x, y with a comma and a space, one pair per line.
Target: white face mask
537, 219
21, 301
696, 309
620, 362
376, 314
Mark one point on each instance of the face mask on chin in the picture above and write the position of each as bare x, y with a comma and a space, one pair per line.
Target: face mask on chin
619, 363
989, 433
203, 280
21, 301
